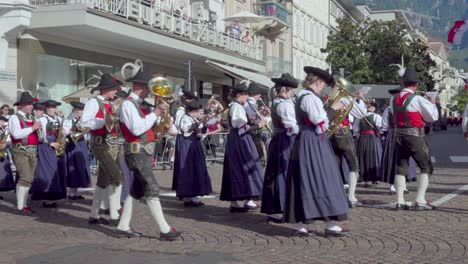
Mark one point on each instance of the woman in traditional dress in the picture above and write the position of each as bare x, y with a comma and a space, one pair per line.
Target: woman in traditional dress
242, 170
77, 155
6, 175
314, 187
193, 179
369, 146
285, 129
50, 181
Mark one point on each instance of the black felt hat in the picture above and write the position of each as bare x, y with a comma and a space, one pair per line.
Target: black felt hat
242, 87
121, 93
25, 98
140, 77
255, 89
189, 95
322, 74
38, 105
394, 91
410, 76
77, 104
107, 82
51, 103
285, 80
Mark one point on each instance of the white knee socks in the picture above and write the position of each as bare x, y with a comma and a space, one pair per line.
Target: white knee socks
156, 211
352, 181
423, 181
22, 197
126, 216
400, 184
114, 201
97, 200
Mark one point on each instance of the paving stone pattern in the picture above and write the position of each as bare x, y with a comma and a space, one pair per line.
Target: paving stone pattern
213, 235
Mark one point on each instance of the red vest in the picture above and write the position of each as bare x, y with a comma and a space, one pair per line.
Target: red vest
32, 139
406, 119
148, 136
107, 107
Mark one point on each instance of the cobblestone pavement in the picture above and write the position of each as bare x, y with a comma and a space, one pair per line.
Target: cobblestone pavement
213, 235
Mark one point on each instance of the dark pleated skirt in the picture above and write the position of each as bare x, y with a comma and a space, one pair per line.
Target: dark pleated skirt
78, 168
128, 180
388, 163
276, 172
192, 173
177, 161
50, 179
314, 187
7, 182
242, 170
369, 152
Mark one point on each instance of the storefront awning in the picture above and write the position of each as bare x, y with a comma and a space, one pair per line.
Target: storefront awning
82, 95
243, 74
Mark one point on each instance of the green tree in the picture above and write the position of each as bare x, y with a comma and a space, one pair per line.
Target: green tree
462, 99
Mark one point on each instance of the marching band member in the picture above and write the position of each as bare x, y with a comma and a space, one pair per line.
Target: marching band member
344, 147
187, 96
50, 179
137, 121
24, 138
314, 190
388, 165
242, 170
38, 109
369, 145
285, 129
251, 108
106, 148
6, 175
78, 165
410, 112
192, 179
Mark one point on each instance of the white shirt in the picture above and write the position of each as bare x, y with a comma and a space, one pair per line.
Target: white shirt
251, 108
238, 117
419, 104
130, 116
186, 124
313, 106
15, 128
386, 119
178, 117
465, 119
285, 110
89, 119
377, 123
45, 119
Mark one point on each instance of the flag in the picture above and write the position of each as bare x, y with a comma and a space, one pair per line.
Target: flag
456, 34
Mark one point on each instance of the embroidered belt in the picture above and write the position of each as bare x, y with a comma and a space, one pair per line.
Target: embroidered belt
138, 147
111, 141
27, 148
367, 132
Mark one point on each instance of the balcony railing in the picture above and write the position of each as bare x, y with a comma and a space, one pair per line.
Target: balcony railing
273, 9
276, 66
144, 12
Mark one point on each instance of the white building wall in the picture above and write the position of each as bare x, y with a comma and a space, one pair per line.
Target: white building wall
310, 33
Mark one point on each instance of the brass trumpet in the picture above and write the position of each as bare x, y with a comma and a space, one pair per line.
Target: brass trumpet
161, 87
76, 136
342, 89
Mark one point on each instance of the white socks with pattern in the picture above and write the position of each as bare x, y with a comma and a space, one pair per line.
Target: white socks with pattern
114, 201
22, 194
97, 201
400, 185
126, 217
352, 182
156, 211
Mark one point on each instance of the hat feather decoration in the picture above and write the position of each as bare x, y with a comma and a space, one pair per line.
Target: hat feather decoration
94, 76
135, 68
402, 68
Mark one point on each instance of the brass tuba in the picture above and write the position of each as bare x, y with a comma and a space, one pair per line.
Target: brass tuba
3, 140
342, 91
161, 87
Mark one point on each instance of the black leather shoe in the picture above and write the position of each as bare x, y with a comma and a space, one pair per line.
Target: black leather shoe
399, 207
274, 220
234, 209
355, 204
114, 222
98, 221
1, 197
331, 233
170, 236
72, 197
301, 234
193, 204
423, 207
130, 233
26, 211
49, 205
